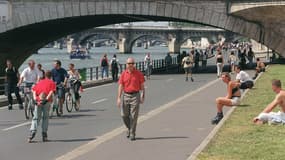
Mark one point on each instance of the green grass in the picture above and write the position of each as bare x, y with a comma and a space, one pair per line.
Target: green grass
239, 138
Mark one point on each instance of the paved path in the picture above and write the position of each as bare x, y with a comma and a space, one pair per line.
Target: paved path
180, 119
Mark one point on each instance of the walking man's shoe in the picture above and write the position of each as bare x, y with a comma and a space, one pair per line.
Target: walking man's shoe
31, 137
192, 79
128, 134
10, 107
218, 118
133, 138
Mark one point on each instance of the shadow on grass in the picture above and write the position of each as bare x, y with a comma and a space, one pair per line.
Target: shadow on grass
244, 105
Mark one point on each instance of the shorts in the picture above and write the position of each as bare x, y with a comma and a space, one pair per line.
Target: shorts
188, 70
235, 101
60, 91
276, 117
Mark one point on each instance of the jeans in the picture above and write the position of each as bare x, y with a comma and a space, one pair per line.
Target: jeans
13, 88
40, 112
105, 71
219, 69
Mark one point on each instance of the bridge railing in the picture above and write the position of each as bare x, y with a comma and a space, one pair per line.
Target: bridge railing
95, 73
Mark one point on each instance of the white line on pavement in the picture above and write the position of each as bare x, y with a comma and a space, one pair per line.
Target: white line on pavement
105, 85
16, 126
99, 101
85, 148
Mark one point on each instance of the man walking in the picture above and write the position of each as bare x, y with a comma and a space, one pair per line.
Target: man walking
42, 93
187, 63
130, 84
114, 68
11, 78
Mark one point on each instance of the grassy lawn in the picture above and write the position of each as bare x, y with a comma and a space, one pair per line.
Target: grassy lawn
239, 138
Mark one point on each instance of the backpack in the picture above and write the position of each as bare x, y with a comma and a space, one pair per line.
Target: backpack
104, 62
114, 63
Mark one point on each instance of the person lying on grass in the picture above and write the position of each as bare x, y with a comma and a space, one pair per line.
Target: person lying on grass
267, 116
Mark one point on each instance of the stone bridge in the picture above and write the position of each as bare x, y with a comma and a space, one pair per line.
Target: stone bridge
125, 36
27, 25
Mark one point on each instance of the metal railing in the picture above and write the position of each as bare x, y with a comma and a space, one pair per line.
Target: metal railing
95, 73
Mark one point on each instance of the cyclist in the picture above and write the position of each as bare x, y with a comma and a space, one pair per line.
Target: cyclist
59, 76
42, 93
30, 75
74, 82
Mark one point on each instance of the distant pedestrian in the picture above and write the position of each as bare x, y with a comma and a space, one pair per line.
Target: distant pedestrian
204, 59
232, 62
187, 63
196, 59
168, 62
260, 67
220, 63
148, 66
131, 82
104, 67
250, 56
11, 79
42, 93
114, 67
39, 66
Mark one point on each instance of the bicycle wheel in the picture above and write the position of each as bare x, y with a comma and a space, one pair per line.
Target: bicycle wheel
31, 109
69, 102
26, 107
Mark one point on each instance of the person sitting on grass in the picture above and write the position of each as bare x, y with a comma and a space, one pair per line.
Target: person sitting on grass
243, 78
231, 99
260, 67
267, 116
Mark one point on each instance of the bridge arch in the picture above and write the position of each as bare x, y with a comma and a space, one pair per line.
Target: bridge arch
34, 24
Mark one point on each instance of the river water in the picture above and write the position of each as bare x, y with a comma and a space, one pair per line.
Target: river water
47, 55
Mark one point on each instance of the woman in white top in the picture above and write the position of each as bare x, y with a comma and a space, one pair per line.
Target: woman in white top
220, 63
74, 82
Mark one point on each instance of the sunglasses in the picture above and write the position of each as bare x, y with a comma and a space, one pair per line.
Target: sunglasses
131, 63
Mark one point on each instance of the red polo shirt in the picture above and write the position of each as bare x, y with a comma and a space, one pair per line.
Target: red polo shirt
44, 86
131, 81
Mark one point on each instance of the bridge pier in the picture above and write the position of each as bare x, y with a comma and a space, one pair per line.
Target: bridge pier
125, 47
174, 46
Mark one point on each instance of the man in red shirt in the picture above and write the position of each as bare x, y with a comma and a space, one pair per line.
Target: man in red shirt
130, 84
42, 93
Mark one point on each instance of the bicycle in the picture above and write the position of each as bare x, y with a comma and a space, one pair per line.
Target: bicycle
29, 103
71, 100
55, 103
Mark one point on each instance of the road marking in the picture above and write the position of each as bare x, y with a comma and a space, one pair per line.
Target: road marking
105, 85
169, 80
85, 148
99, 101
16, 126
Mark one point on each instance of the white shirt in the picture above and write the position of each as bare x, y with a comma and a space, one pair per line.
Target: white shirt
243, 76
31, 76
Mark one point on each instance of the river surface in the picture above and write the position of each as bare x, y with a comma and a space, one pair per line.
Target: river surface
47, 55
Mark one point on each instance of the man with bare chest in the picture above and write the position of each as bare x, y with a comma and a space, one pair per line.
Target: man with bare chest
273, 117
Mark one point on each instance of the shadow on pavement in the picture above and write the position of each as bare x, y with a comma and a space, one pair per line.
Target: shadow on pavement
91, 110
73, 140
160, 138
72, 116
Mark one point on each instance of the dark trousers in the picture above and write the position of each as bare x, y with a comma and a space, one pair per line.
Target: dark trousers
115, 74
13, 88
75, 89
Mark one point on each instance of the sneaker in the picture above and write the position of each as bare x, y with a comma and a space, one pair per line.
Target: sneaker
192, 79
218, 118
10, 107
31, 137
21, 106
